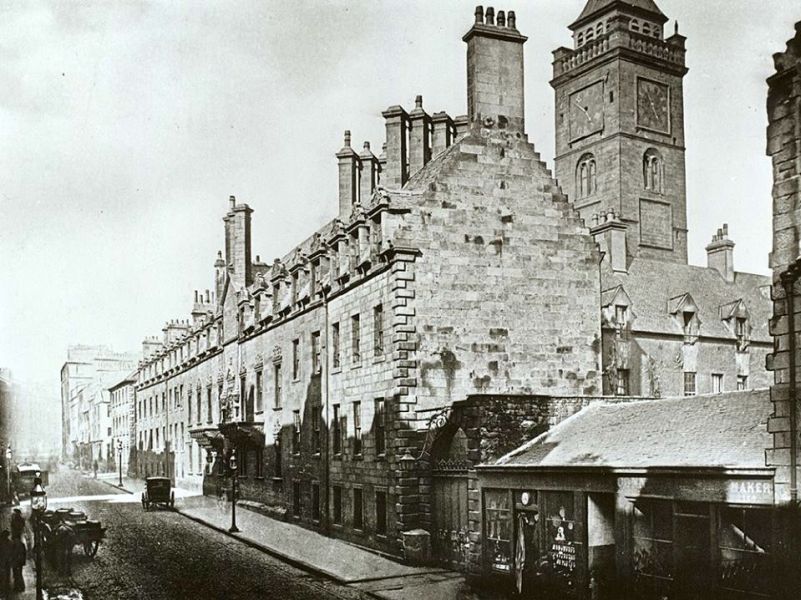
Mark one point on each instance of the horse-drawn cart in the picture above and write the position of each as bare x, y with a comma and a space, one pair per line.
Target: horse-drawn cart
63, 529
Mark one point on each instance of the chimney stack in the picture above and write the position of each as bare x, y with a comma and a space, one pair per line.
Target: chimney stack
419, 137
369, 176
396, 172
495, 71
443, 132
237, 244
609, 233
720, 253
348, 178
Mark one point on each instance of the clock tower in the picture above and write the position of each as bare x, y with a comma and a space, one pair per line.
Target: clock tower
620, 125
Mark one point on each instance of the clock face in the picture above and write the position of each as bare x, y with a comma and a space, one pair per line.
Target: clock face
525, 498
586, 111
653, 105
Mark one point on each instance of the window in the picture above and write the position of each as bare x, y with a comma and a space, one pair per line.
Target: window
296, 499
742, 382
620, 315
295, 359
741, 328
315, 415
498, 514
199, 407
208, 405
646, 29
380, 428
744, 545
635, 25
689, 384
259, 390
337, 516
378, 330
381, 513
653, 171
652, 533
336, 441
295, 277
335, 359
295, 432
315, 348
357, 428
717, 383
586, 176
189, 407
358, 516
315, 493
622, 388
355, 334
278, 384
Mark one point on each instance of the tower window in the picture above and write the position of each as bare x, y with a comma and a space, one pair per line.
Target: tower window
599, 30
580, 39
635, 25
646, 29
589, 35
586, 176
653, 171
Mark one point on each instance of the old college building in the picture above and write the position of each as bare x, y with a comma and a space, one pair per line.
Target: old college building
421, 375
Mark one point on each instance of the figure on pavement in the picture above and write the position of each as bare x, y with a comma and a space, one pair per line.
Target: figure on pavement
5, 564
18, 557
17, 524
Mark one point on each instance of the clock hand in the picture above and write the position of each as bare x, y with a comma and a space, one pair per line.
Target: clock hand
584, 110
651, 102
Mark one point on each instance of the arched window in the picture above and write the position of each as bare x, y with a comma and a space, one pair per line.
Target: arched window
635, 25
646, 29
586, 176
599, 30
589, 35
653, 171
580, 39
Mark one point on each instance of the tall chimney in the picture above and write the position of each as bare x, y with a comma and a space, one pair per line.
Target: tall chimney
396, 172
419, 137
443, 132
219, 270
495, 71
369, 177
720, 253
237, 244
348, 178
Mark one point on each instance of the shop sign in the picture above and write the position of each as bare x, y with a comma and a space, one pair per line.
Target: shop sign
750, 492
563, 556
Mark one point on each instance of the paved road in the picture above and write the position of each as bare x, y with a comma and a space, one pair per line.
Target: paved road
162, 555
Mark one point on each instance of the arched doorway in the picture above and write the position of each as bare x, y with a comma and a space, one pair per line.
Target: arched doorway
449, 481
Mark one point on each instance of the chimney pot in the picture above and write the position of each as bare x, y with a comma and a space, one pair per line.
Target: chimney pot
479, 14
511, 20
232, 201
366, 145
490, 16
347, 138
195, 296
418, 101
501, 19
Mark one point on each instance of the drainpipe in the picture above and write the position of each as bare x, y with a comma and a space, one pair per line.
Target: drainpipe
326, 456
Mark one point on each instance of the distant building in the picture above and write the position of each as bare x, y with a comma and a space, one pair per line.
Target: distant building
7, 393
87, 371
123, 424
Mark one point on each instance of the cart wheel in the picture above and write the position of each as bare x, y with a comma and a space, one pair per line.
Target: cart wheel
90, 548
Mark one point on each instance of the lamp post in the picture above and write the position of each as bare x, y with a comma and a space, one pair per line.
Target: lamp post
8, 473
119, 452
232, 466
38, 506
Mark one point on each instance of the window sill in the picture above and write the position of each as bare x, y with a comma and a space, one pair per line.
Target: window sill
335, 370
381, 457
259, 477
277, 408
337, 525
316, 455
277, 479
379, 359
357, 365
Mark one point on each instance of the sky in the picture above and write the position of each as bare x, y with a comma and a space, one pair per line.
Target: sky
126, 125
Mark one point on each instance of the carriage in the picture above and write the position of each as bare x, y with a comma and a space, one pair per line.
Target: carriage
81, 531
158, 490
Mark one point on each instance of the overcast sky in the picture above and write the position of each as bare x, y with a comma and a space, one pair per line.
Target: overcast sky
126, 125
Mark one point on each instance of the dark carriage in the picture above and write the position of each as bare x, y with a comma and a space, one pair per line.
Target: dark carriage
158, 491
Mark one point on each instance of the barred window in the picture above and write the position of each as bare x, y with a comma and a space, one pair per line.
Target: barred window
689, 384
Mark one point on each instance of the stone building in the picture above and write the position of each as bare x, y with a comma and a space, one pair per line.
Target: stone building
455, 269
669, 328
87, 370
122, 404
784, 148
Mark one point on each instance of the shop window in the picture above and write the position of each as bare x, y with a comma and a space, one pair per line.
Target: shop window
690, 384
296, 503
335, 433
357, 428
380, 428
742, 382
563, 537
744, 539
358, 514
315, 493
337, 509
498, 519
295, 432
652, 547
335, 351
381, 513
717, 383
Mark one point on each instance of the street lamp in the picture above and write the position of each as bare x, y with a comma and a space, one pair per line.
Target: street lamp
38, 506
119, 451
232, 466
8, 473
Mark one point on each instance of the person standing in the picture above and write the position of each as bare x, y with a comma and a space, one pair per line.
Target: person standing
17, 524
18, 557
5, 564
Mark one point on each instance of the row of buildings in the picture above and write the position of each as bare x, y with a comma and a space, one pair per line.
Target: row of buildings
465, 364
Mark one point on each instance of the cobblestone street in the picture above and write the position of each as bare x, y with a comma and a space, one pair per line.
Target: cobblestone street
162, 555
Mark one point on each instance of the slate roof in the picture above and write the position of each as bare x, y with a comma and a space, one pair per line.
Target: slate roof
715, 430
595, 6
652, 286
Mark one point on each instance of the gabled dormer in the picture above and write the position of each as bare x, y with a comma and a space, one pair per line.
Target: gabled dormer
737, 318
685, 312
616, 310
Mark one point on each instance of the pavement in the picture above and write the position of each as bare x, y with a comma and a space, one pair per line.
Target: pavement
340, 561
